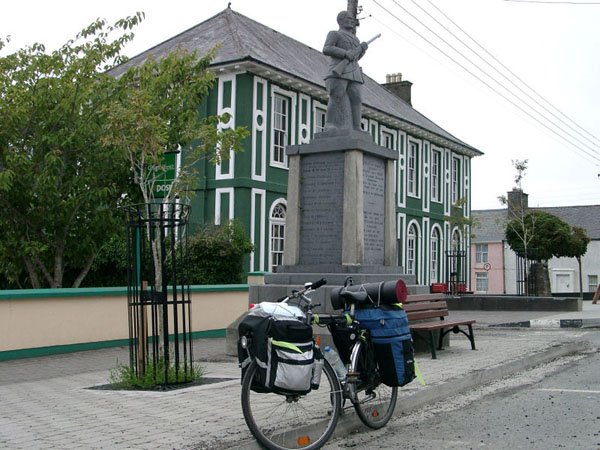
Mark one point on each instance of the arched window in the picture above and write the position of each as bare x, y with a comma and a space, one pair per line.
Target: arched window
434, 260
277, 236
411, 250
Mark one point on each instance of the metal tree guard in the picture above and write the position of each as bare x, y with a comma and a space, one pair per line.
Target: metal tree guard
456, 277
526, 284
160, 335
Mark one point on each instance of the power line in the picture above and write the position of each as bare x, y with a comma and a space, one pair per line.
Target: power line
490, 76
513, 74
553, 3
594, 158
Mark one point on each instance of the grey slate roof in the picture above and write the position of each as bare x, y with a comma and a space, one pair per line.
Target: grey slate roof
243, 39
490, 223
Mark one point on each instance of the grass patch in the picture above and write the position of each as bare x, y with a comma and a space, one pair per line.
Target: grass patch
124, 377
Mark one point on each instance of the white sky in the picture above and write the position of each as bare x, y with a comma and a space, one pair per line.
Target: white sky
554, 48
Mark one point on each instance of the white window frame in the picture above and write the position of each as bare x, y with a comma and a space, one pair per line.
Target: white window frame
482, 282
219, 193
277, 240
319, 112
592, 283
388, 138
455, 180
257, 237
280, 128
481, 253
290, 133
412, 238
436, 180
434, 256
231, 111
412, 169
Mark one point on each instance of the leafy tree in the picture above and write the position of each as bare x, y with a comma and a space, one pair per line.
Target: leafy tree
73, 138
59, 186
549, 236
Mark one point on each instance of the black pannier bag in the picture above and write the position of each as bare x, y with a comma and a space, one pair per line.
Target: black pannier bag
283, 349
392, 342
344, 338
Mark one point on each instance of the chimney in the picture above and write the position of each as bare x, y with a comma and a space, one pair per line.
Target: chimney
394, 83
517, 202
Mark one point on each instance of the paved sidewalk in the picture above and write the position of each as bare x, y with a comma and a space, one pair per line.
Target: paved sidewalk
46, 403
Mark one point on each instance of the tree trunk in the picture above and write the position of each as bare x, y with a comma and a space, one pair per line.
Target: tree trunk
33, 276
580, 278
540, 279
84, 271
59, 267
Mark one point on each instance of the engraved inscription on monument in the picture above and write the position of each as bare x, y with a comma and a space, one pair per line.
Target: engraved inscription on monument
321, 205
374, 209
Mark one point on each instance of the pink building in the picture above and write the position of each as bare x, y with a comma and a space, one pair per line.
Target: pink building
487, 252
494, 264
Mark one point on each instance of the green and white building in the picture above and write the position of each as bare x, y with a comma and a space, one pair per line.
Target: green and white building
273, 85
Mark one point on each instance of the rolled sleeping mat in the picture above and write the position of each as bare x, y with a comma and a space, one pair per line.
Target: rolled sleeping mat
383, 293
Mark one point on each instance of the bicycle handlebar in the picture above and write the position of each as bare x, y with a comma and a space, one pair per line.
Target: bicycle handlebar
307, 287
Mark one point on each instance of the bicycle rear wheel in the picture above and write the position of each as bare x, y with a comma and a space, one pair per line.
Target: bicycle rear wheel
374, 401
282, 422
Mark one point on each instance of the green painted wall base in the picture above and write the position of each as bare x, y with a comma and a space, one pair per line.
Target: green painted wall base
72, 348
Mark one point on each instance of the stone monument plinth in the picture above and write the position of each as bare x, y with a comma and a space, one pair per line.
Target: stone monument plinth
341, 211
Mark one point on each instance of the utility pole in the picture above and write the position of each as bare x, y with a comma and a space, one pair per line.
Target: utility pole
353, 10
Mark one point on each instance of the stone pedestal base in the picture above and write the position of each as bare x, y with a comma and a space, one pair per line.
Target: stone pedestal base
341, 202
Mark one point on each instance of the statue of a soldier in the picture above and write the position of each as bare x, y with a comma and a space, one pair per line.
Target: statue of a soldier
345, 79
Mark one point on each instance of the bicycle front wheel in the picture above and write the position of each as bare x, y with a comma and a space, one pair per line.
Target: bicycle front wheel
282, 422
374, 402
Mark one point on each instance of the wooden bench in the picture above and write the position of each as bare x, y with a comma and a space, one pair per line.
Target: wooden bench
428, 312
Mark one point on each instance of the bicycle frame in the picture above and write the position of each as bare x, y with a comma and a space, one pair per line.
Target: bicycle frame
374, 402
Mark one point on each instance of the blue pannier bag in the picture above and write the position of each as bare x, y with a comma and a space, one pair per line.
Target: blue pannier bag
392, 342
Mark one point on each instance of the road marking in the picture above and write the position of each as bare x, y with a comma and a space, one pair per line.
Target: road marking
575, 391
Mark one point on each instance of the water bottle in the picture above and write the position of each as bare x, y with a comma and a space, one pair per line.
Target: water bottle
317, 369
334, 360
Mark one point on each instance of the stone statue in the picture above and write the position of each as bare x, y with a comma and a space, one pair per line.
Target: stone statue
345, 79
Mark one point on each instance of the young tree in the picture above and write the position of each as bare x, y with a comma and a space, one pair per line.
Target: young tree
157, 110
517, 209
59, 186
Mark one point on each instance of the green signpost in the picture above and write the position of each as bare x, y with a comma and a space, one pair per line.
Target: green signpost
166, 174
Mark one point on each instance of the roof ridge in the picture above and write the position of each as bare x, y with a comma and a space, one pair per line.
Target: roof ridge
230, 14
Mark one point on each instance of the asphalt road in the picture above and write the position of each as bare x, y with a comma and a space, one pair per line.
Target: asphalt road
550, 407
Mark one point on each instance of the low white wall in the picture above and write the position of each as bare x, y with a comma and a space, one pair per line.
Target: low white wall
52, 317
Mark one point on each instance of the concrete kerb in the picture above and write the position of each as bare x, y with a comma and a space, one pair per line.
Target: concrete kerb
551, 323
350, 423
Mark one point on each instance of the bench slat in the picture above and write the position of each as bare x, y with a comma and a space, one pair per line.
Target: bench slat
441, 324
435, 306
422, 315
424, 298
